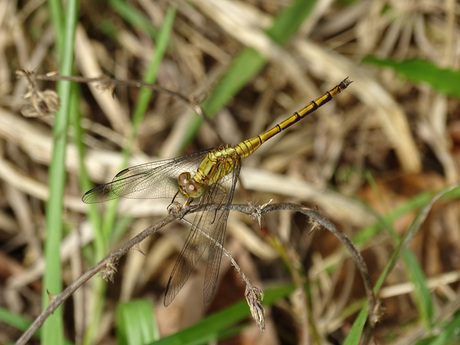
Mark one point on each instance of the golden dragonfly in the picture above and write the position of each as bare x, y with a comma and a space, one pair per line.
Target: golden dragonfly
200, 178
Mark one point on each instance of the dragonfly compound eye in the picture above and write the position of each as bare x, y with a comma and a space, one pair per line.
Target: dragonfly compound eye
184, 178
193, 190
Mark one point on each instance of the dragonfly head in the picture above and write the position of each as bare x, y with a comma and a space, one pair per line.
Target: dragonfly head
188, 186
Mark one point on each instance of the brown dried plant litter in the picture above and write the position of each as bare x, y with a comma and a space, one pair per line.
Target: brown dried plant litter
381, 143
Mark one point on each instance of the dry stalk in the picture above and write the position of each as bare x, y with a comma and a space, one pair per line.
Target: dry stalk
107, 266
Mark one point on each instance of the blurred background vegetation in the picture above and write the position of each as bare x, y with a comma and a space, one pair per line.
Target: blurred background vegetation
371, 161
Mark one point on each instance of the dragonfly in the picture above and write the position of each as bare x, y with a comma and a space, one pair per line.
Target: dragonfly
205, 177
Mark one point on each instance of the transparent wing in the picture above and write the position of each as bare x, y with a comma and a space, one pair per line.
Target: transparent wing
146, 181
213, 223
217, 232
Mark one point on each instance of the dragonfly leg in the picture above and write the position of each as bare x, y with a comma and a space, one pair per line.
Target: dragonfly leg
218, 185
175, 206
172, 201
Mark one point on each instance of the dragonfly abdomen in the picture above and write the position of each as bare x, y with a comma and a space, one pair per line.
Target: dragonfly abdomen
247, 147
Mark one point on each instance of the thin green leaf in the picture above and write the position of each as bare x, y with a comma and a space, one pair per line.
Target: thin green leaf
134, 17
356, 330
216, 326
142, 104
248, 63
443, 80
17, 321
426, 341
358, 325
136, 323
421, 292
110, 214
449, 334
412, 204
53, 332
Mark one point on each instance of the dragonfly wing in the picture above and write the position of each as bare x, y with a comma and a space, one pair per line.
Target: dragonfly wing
217, 232
146, 181
214, 224
185, 263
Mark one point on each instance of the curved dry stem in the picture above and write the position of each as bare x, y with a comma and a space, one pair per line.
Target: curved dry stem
105, 83
354, 253
107, 266
253, 294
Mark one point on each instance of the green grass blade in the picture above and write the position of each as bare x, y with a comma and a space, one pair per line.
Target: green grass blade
134, 17
136, 323
421, 292
369, 232
17, 321
145, 93
57, 18
412, 204
357, 328
108, 223
85, 182
248, 63
443, 80
52, 281
289, 20
20, 323
217, 325
142, 104
449, 334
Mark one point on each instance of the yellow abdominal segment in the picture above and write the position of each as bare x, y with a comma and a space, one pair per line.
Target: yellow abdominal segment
221, 162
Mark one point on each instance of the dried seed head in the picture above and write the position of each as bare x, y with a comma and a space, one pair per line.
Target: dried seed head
109, 271
37, 103
255, 306
40, 103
